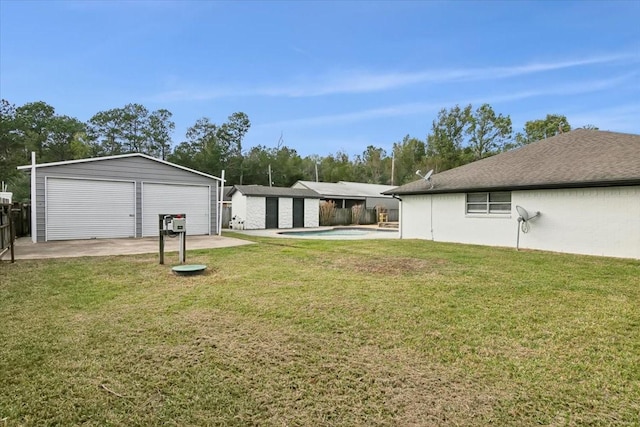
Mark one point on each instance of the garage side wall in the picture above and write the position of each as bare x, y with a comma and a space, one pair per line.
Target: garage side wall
137, 169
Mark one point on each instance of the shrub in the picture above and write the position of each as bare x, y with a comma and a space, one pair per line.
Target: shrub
357, 212
327, 212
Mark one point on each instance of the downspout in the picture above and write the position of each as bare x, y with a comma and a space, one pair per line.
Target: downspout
34, 199
220, 203
399, 215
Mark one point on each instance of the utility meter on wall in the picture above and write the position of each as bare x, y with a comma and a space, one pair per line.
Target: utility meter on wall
179, 225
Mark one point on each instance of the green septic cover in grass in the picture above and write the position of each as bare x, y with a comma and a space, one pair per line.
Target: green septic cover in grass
189, 269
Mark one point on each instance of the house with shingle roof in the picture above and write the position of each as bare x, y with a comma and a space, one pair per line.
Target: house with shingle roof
256, 207
585, 184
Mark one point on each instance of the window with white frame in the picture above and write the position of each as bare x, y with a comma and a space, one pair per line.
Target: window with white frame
498, 202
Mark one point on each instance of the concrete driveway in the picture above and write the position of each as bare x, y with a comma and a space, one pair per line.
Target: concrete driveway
25, 249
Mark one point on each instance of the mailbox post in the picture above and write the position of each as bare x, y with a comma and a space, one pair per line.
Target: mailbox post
173, 225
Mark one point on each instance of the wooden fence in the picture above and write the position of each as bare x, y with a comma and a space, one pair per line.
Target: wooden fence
345, 217
367, 216
7, 235
21, 214
226, 215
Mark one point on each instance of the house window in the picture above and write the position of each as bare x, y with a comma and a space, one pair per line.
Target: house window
489, 203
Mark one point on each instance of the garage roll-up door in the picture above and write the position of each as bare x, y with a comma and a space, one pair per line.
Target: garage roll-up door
89, 209
173, 199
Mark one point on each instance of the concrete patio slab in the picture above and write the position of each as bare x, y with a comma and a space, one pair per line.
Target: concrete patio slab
25, 249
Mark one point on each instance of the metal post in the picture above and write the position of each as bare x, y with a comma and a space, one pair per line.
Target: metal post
220, 204
161, 231
183, 248
34, 200
11, 234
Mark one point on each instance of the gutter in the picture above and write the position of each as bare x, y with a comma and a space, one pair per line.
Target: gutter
550, 186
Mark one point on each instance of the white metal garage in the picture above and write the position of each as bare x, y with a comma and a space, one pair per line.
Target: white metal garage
192, 200
89, 209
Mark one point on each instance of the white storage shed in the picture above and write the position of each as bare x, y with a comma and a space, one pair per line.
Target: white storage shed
256, 207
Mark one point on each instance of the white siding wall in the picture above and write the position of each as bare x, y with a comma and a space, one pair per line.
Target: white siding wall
592, 221
256, 213
451, 224
415, 217
311, 212
595, 221
285, 212
239, 206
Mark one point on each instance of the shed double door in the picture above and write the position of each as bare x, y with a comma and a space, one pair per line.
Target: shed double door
271, 220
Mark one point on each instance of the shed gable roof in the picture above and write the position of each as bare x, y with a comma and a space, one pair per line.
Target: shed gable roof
120, 156
580, 158
263, 191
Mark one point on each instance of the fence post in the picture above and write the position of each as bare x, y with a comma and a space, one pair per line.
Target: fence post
12, 237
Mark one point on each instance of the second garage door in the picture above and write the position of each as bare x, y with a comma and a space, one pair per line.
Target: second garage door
192, 200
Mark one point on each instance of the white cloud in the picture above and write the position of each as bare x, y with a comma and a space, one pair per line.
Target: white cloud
409, 109
354, 82
356, 116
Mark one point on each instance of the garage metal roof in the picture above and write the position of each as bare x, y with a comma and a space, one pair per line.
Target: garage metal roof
121, 156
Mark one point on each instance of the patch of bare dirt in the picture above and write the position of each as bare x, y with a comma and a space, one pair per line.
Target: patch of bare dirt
389, 266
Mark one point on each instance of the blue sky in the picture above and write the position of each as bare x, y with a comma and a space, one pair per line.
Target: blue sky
330, 76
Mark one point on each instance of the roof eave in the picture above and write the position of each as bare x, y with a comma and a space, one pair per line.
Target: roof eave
119, 156
545, 186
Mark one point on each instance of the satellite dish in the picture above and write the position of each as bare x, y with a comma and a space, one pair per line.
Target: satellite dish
426, 177
523, 213
523, 222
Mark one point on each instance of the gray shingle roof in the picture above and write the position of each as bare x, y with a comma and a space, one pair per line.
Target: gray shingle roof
263, 191
580, 158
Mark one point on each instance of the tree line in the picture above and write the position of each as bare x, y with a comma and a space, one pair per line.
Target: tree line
458, 135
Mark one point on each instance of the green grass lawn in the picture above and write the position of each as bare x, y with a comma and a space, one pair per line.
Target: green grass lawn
323, 333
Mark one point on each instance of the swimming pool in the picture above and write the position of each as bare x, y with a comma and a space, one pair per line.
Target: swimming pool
346, 232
